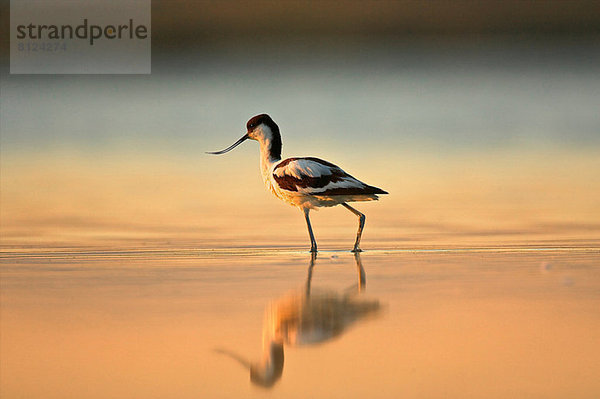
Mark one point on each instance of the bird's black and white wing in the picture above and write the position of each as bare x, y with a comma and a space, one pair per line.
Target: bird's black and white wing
314, 176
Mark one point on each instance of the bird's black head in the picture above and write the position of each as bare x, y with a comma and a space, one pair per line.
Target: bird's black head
263, 128
257, 120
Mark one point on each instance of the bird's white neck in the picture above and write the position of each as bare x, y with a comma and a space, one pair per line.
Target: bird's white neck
267, 157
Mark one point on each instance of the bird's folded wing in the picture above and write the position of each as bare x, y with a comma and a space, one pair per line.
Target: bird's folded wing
315, 176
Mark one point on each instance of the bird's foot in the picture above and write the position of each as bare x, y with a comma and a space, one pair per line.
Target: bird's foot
313, 250
356, 249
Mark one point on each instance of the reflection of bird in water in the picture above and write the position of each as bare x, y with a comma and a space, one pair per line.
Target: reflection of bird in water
306, 183
306, 317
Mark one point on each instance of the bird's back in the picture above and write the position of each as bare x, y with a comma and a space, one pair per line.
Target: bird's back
326, 182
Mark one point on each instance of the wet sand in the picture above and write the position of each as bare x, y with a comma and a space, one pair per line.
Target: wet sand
478, 323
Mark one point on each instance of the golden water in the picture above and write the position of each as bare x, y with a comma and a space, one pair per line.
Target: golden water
133, 265
142, 279
461, 323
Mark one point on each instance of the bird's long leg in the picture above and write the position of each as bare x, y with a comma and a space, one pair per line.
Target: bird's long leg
361, 224
313, 243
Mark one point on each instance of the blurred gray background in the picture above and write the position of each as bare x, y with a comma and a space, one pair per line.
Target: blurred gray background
433, 75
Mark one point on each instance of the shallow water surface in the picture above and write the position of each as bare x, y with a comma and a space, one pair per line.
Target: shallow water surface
133, 265
461, 323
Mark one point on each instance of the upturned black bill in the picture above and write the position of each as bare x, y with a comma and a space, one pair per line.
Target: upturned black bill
231, 147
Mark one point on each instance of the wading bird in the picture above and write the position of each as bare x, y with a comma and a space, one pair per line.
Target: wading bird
307, 182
